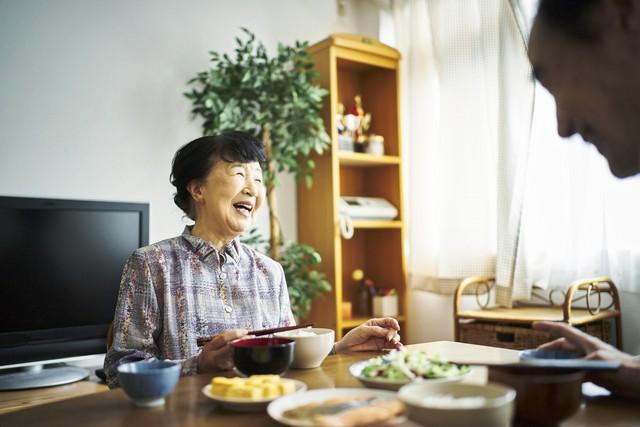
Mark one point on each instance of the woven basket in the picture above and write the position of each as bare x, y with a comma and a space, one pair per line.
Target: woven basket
520, 337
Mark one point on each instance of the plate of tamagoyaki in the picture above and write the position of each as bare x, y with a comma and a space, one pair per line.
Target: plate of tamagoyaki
250, 394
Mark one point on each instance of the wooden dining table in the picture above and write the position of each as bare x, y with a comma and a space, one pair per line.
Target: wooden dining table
188, 406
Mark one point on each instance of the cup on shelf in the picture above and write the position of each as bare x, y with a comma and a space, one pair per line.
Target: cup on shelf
375, 145
385, 306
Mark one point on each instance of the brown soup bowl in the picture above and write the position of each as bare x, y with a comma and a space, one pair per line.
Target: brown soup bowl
545, 397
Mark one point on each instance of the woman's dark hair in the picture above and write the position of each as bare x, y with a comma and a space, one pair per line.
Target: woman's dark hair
195, 159
573, 18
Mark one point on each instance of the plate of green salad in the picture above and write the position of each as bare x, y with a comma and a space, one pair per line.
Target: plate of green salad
400, 367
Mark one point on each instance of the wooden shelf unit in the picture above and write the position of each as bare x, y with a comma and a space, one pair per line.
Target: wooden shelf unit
349, 158
351, 65
364, 223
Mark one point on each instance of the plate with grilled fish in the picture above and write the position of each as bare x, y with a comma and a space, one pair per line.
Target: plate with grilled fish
338, 407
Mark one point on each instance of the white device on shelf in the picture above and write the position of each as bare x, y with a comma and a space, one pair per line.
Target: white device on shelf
374, 208
368, 208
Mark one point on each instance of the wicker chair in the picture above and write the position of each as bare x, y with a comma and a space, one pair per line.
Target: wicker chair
511, 327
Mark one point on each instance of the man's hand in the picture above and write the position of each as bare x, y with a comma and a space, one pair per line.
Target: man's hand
216, 354
623, 382
572, 339
372, 335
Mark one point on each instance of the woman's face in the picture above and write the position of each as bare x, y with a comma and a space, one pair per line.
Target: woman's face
228, 199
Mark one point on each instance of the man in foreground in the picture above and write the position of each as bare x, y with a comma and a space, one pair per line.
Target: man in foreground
587, 54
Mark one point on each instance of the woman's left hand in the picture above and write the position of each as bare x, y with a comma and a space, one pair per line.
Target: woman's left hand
372, 335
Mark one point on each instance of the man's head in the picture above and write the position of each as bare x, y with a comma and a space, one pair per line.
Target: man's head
587, 54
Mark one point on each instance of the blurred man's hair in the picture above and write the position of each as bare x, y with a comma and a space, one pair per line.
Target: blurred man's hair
574, 18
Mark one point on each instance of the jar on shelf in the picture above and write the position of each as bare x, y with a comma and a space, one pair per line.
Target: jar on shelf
365, 297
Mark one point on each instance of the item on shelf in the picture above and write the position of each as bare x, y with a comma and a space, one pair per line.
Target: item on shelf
353, 126
364, 301
366, 288
341, 122
357, 109
345, 143
347, 310
346, 226
385, 306
375, 145
357, 275
360, 145
375, 208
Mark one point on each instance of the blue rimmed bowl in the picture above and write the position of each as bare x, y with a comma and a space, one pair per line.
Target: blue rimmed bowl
148, 382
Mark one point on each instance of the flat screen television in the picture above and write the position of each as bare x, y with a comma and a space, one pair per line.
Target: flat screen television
60, 268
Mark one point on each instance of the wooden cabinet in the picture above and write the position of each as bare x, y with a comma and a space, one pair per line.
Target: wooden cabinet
351, 65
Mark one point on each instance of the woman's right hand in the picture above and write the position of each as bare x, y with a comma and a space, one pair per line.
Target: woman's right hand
216, 354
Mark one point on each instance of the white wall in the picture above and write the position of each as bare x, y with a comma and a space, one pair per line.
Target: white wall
431, 315
91, 103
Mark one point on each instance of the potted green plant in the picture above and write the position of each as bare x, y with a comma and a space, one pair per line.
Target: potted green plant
275, 98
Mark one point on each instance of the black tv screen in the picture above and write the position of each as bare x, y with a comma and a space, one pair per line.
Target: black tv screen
60, 267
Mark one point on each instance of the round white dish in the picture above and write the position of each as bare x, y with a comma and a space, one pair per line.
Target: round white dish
356, 371
247, 405
456, 405
278, 407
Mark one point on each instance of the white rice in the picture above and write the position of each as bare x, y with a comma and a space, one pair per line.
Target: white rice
448, 401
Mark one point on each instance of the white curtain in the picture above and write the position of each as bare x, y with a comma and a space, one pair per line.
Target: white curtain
492, 189
578, 220
467, 108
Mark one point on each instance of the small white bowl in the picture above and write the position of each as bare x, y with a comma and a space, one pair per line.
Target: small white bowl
312, 346
459, 405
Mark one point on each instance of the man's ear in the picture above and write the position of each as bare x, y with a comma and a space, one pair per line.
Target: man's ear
195, 188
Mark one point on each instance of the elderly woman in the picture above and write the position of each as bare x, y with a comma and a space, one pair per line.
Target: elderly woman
205, 282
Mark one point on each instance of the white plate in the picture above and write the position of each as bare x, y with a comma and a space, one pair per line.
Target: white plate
356, 371
247, 405
278, 407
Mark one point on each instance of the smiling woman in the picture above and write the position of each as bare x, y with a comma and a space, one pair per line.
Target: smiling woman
205, 282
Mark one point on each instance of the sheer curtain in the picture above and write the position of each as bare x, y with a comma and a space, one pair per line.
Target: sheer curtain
578, 220
492, 189
468, 98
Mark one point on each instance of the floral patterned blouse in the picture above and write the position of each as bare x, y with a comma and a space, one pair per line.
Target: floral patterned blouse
182, 288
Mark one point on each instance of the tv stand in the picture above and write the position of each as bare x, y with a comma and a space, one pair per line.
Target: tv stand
38, 376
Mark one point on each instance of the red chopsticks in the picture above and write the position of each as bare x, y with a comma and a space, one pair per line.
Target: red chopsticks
203, 340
